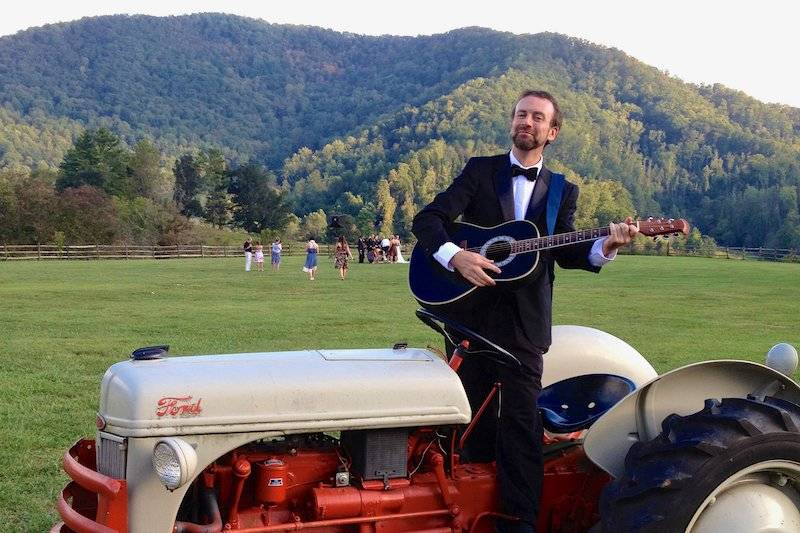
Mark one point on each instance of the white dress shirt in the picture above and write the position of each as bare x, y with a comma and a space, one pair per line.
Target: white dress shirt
523, 189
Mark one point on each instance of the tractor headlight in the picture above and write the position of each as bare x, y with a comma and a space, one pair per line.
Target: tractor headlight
175, 461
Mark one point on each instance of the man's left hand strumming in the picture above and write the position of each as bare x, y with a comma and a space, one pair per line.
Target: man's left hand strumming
620, 235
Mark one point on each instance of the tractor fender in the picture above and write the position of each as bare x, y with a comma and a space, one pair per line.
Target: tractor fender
579, 350
638, 417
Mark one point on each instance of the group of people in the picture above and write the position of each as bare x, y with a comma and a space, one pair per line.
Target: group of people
380, 249
372, 248
254, 250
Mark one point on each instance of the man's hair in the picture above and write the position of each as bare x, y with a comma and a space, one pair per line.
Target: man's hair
557, 116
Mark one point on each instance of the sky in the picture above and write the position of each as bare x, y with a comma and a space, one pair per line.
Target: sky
745, 45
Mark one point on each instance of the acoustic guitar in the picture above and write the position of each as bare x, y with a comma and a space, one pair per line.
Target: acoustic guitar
514, 246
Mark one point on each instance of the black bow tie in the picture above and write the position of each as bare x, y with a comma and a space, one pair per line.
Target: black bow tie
529, 173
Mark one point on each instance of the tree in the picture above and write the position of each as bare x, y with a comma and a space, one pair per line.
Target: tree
292, 230
213, 169
87, 215
601, 202
30, 217
141, 220
8, 212
145, 169
188, 184
96, 159
314, 225
365, 220
345, 226
386, 207
218, 208
258, 205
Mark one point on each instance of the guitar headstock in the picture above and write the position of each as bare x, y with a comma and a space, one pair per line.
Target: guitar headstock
663, 226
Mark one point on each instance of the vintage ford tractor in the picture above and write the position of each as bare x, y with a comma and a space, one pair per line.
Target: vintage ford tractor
369, 441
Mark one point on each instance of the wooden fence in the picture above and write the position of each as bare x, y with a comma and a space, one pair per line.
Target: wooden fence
723, 252
42, 252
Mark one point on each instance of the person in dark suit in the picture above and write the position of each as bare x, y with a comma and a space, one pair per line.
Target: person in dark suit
488, 192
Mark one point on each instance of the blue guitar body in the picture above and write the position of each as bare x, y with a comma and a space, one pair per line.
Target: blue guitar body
432, 284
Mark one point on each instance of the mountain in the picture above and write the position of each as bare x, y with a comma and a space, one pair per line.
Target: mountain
344, 120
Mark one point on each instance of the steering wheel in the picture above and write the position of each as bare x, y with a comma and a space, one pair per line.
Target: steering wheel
438, 323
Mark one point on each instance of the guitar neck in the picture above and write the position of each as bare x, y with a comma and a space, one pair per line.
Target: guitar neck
650, 227
561, 239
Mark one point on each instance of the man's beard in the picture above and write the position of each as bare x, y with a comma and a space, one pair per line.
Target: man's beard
526, 143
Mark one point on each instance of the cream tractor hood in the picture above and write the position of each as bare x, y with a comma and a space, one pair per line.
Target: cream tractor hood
290, 392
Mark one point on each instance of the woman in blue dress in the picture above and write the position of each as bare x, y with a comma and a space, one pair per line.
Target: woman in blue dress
312, 248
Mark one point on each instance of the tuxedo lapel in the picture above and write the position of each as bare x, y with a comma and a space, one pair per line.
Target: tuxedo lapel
537, 203
505, 192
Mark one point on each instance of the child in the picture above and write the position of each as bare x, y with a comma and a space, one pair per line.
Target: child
259, 256
276, 250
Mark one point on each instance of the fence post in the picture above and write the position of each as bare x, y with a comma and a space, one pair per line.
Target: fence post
154, 252
38, 252
5, 253
126, 250
178, 250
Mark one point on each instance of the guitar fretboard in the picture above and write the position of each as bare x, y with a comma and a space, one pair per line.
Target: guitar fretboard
553, 241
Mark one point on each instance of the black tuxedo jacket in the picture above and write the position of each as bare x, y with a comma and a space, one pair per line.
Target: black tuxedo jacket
483, 194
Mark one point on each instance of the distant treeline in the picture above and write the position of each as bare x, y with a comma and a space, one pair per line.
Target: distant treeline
243, 116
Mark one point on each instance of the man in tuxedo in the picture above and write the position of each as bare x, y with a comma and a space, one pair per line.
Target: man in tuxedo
488, 192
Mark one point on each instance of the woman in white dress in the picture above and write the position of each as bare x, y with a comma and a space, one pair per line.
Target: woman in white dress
399, 250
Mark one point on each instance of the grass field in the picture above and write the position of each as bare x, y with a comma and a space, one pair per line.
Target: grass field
63, 323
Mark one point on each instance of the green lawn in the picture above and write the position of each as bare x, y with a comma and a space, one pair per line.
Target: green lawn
63, 323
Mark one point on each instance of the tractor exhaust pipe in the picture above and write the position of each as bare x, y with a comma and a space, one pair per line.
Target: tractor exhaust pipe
207, 497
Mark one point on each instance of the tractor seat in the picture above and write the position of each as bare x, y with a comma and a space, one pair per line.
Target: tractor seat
575, 403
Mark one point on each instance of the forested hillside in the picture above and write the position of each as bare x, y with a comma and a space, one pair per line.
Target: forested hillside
235, 113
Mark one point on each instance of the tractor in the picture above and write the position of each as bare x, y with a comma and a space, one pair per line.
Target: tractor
369, 440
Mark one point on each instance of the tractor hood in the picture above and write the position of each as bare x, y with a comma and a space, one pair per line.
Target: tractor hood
289, 392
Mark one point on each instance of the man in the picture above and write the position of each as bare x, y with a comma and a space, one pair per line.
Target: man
385, 244
489, 191
362, 248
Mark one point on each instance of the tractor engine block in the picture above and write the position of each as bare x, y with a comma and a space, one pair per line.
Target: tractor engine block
370, 481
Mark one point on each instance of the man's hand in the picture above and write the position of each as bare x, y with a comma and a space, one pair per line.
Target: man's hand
621, 234
473, 266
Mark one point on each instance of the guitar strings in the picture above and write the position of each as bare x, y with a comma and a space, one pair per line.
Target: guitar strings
537, 242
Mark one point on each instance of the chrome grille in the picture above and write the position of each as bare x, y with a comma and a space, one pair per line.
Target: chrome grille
112, 452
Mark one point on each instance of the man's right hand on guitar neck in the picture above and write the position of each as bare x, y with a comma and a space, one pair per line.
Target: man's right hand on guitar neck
473, 268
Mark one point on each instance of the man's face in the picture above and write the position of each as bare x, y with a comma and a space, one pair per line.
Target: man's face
530, 126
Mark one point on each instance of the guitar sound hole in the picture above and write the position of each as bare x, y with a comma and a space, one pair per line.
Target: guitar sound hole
498, 251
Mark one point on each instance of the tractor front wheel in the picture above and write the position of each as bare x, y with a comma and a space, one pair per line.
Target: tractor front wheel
732, 467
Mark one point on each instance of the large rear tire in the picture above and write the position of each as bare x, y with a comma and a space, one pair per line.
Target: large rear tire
732, 467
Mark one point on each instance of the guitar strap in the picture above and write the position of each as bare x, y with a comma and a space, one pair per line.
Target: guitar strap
554, 193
